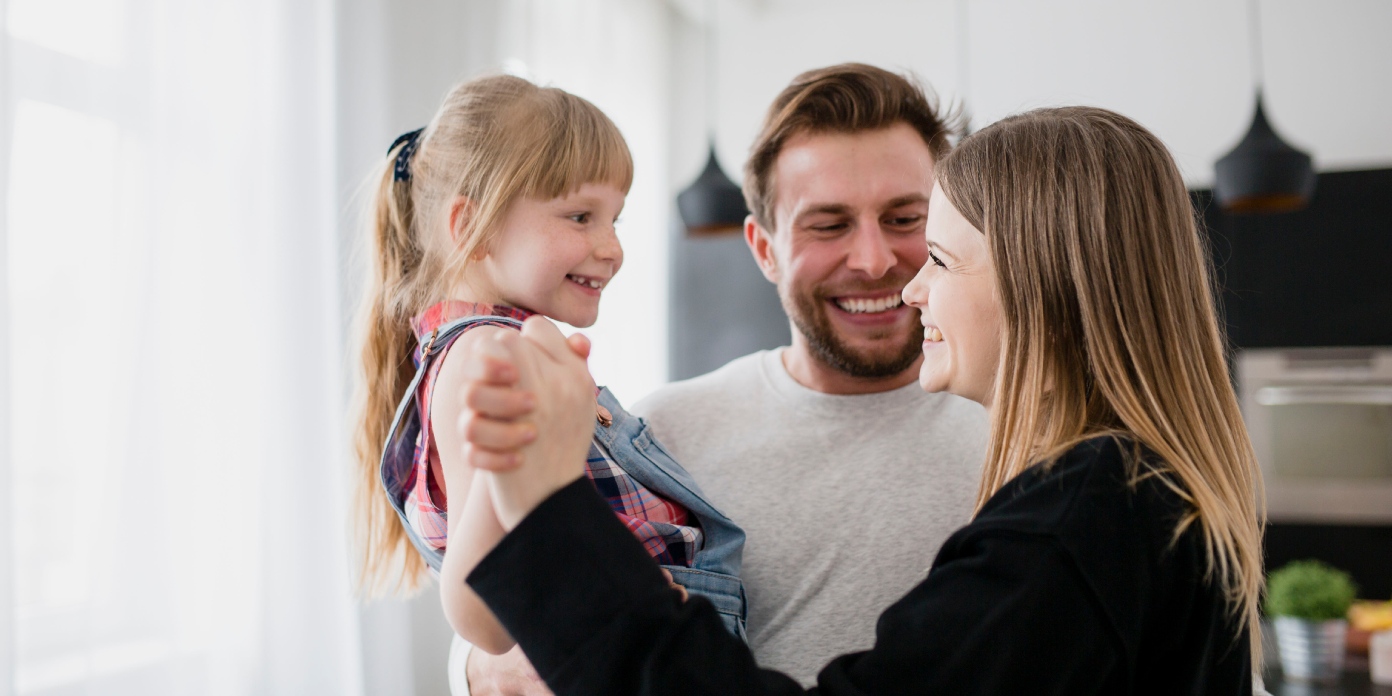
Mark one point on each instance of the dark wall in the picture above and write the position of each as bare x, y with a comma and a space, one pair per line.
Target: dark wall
1318, 277
1365, 552
721, 305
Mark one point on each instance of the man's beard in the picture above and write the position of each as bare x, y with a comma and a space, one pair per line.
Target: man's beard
809, 314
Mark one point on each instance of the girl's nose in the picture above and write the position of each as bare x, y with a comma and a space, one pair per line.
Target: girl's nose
608, 248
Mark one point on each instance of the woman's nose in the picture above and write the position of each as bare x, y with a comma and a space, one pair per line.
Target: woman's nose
916, 292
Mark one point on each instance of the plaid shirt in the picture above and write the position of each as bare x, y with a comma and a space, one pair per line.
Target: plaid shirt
660, 525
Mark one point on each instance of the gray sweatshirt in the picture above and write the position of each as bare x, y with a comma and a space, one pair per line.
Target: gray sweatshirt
844, 499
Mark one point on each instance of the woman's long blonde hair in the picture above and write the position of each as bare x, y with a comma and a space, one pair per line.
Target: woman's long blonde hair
493, 141
1108, 320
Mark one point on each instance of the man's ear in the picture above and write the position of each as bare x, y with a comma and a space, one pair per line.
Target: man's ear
461, 212
760, 243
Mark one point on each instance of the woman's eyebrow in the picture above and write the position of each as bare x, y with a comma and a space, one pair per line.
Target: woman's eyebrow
932, 245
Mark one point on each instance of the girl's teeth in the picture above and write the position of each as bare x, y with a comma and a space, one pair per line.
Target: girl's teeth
859, 306
597, 285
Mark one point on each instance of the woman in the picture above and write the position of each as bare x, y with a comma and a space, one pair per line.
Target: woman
1116, 545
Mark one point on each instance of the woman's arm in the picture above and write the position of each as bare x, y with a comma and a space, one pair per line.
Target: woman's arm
1007, 614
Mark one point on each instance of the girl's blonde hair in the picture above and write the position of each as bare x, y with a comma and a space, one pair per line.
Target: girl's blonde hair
494, 140
1109, 324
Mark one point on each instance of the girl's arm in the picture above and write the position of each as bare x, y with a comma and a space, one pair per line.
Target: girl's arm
473, 526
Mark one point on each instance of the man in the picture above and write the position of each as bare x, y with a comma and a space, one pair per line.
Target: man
844, 474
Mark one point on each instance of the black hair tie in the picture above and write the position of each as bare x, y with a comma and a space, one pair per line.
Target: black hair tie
401, 170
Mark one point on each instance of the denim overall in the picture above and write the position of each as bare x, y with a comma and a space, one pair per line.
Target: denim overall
715, 568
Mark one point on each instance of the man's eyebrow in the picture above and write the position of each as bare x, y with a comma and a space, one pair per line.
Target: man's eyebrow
825, 208
908, 199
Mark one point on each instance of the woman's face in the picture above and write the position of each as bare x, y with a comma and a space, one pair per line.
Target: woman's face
956, 294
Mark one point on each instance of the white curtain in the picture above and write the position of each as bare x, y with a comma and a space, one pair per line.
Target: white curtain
174, 471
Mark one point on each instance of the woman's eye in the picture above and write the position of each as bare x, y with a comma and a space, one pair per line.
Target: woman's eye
936, 261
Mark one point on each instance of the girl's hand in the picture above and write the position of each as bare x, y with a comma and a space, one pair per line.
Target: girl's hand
564, 415
674, 585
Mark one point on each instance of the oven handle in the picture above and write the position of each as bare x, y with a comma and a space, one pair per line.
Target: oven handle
1351, 395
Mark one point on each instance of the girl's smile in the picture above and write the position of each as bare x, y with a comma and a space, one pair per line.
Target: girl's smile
588, 284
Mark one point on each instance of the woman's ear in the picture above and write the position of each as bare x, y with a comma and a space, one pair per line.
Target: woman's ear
461, 212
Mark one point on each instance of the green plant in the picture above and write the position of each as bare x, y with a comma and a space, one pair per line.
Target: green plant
1309, 590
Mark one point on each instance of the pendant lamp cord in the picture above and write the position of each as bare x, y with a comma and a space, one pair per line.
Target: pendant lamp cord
1254, 29
710, 70
963, 62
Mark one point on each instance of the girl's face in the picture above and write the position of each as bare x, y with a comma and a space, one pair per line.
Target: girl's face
956, 294
555, 257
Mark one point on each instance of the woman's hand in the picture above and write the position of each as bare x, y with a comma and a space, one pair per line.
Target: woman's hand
552, 369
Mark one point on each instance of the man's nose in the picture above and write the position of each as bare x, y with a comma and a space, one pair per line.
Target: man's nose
871, 252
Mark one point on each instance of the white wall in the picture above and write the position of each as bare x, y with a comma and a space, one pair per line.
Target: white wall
1180, 67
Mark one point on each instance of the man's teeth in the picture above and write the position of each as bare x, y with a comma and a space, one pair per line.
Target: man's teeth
859, 306
932, 333
588, 282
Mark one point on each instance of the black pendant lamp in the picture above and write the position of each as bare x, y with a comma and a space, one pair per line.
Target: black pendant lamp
712, 204
1263, 174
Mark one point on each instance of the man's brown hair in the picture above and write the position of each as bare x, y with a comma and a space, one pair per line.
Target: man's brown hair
845, 98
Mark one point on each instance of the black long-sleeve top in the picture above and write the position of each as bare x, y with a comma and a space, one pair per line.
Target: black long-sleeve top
1069, 581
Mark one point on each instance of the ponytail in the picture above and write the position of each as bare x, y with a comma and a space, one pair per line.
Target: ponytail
387, 563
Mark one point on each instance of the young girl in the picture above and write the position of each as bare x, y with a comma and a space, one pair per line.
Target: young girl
503, 207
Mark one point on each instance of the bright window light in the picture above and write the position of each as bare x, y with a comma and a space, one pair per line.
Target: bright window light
61, 251
87, 29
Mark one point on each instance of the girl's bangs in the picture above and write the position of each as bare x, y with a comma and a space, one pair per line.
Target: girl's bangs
581, 146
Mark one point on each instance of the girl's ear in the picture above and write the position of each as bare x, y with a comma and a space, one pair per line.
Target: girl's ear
461, 211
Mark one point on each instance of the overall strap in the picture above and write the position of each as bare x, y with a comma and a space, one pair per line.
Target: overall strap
397, 460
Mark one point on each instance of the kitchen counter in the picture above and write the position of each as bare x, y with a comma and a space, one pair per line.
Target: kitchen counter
1355, 682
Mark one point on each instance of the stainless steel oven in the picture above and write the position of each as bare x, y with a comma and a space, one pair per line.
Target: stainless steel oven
1321, 424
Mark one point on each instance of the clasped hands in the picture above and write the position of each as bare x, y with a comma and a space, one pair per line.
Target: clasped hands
529, 416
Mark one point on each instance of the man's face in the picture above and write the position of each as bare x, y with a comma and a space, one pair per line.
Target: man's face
848, 217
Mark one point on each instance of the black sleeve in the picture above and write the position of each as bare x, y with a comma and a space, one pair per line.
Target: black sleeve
1007, 613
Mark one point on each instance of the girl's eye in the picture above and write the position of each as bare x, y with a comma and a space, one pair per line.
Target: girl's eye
580, 218
936, 261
